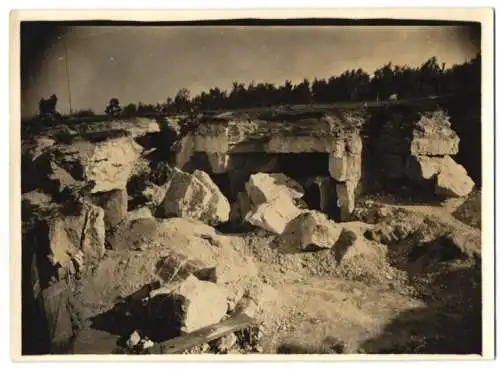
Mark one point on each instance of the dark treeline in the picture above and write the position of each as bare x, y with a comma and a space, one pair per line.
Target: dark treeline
430, 78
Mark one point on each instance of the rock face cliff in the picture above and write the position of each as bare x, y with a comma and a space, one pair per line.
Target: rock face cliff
383, 148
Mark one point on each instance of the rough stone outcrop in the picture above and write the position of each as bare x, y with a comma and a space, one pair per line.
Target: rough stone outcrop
114, 204
72, 236
134, 127
60, 179
34, 203
37, 147
310, 230
223, 137
345, 166
183, 149
153, 194
195, 196
212, 137
277, 133
55, 302
433, 136
219, 162
346, 198
413, 131
109, 163
139, 213
415, 147
345, 158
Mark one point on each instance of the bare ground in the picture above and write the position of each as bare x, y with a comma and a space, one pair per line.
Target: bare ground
374, 298
398, 307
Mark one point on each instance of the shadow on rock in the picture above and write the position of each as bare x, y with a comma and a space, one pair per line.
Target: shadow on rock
153, 317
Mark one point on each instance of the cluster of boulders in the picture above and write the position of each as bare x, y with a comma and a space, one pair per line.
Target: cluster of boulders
419, 149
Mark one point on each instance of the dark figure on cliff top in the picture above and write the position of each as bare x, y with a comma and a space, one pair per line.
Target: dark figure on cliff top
47, 107
113, 109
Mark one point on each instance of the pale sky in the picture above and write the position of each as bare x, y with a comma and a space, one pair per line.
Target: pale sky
149, 64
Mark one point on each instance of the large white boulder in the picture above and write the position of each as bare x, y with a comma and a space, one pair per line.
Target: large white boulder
266, 187
452, 180
195, 196
273, 199
197, 304
274, 215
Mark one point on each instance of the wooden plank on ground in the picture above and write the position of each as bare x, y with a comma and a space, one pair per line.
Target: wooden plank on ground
179, 344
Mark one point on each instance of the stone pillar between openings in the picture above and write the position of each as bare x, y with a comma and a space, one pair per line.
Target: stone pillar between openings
345, 167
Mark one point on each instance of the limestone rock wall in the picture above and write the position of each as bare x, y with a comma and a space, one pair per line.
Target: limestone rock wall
335, 133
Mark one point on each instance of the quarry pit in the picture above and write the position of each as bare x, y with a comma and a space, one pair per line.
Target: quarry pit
338, 231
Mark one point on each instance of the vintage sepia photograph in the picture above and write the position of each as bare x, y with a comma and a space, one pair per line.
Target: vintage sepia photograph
253, 186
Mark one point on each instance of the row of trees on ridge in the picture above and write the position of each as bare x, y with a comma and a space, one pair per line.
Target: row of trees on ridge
430, 78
